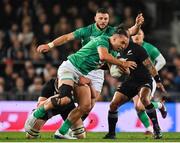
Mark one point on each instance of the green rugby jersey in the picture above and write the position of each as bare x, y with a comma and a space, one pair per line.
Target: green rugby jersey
152, 51
90, 32
87, 58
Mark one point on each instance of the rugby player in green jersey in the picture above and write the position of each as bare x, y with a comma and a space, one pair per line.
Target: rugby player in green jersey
85, 34
159, 61
100, 27
90, 57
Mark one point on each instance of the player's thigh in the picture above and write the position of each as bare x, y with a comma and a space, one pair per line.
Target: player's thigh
97, 80
83, 94
67, 74
67, 82
118, 99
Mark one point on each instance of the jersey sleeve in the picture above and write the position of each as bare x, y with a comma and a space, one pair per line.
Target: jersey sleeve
102, 43
154, 51
48, 89
141, 53
81, 32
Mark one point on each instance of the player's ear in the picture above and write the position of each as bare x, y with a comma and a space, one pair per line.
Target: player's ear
95, 18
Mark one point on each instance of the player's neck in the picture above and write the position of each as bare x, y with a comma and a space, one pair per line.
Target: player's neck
101, 29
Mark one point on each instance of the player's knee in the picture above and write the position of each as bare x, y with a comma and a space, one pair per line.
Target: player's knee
145, 101
86, 108
138, 108
66, 90
113, 106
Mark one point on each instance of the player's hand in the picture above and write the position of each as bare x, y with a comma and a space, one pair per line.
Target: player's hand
84, 80
125, 71
128, 64
139, 19
43, 48
161, 87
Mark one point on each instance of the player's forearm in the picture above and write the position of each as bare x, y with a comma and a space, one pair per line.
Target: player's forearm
62, 39
134, 30
160, 62
149, 65
112, 60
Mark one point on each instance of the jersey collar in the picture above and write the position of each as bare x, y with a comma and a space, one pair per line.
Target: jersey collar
102, 30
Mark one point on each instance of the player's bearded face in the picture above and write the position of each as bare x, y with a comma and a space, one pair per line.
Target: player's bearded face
102, 20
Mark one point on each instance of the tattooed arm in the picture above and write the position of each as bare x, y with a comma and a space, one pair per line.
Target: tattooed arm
149, 65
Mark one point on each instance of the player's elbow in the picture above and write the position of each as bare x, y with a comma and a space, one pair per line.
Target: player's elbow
102, 57
69, 36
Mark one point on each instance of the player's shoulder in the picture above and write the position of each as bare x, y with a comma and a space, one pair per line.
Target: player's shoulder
102, 40
134, 46
111, 29
87, 28
147, 44
51, 82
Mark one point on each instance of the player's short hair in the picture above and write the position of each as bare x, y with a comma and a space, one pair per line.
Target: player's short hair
121, 30
102, 10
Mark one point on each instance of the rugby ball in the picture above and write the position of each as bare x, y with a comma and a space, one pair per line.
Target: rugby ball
115, 71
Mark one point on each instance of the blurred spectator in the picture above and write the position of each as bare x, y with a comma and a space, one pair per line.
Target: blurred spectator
172, 52
18, 92
176, 62
62, 27
26, 36
128, 17
176, 30
56, 12
17, 51
2, 89
29, 74
8, 75
35, 88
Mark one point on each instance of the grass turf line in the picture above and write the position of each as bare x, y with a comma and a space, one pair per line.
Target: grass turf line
91, 137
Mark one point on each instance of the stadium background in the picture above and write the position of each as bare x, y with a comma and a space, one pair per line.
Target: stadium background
28, 23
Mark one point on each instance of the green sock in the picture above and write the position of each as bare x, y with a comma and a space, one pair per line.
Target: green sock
144, 118
65, 127
40, 112
156, 106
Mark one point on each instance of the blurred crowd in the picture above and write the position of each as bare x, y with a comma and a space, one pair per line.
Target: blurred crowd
28, 23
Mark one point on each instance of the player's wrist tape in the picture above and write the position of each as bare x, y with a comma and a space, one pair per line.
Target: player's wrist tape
51, 45
157, 78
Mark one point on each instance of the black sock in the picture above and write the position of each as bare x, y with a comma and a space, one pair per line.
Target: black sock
84, 116
151, 112
112, 120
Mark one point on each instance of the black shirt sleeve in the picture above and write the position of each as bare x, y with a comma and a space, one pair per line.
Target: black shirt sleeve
140, 52
48, 89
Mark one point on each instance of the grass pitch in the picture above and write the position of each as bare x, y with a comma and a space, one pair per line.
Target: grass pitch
91, 137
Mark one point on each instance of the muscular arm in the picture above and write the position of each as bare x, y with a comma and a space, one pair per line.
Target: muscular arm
57, 42
139, 21
149, 65
63, 39
105, 56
